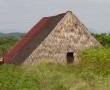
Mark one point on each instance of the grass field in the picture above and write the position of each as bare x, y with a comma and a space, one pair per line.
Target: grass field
91, 73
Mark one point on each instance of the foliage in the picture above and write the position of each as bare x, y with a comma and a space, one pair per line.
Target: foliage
11, 78
7, 40
5, 44
91, 73
103, 38
96, 59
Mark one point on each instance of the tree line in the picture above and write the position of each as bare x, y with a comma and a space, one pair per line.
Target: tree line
103, 38
6, 44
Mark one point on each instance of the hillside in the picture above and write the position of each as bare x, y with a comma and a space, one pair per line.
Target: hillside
14, 34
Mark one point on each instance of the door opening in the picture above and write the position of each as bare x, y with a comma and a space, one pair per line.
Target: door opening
70, 57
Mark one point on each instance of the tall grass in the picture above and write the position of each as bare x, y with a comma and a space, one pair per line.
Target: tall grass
91, 73
97, 60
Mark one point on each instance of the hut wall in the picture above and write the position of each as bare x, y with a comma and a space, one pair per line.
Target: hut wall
70, 35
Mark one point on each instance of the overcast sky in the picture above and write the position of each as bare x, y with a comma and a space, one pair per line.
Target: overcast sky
21, 15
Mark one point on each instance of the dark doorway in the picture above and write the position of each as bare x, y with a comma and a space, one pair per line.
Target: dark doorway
70, 57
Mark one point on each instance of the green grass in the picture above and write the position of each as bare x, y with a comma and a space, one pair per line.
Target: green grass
91, 73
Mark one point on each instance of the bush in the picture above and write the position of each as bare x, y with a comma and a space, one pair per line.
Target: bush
6, 44
103, 38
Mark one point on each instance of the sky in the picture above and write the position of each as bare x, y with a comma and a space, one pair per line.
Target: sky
22, 15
